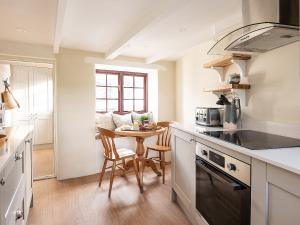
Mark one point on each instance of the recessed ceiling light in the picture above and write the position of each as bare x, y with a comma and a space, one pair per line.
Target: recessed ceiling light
182, 29
21, 30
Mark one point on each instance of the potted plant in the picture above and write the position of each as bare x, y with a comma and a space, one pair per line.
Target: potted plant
144, 119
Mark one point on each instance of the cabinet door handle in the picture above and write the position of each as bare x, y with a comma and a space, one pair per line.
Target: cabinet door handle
192, 140
2, 181
19, 214
28, 140
18, 156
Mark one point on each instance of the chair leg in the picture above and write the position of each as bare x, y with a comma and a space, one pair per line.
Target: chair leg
147, 151
124, 165
102, 171
112, 175
136, 174
163, 166
160, 163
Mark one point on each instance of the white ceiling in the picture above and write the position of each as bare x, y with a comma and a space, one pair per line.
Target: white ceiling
28, 21
151, 29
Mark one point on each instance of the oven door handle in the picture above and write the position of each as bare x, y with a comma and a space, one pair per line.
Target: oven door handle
236, 186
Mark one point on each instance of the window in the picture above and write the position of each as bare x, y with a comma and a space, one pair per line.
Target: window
120, 91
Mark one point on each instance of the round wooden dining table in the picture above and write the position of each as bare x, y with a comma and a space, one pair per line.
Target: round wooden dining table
140, 149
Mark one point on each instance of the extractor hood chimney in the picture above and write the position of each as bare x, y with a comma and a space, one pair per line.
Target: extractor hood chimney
269, 24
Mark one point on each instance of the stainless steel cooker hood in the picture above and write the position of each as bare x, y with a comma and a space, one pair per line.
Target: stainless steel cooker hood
261, 36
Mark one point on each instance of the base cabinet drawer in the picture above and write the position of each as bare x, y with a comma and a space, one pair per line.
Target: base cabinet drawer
15, 212
11, 178
16, 178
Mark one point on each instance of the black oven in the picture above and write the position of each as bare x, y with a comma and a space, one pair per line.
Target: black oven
221, 198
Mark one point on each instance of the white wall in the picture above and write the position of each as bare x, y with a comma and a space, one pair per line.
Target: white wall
273, 98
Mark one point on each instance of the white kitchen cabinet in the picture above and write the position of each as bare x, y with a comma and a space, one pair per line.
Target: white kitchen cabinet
28, 174
16, 183
183, 165
184, 174
33, 88
275, 195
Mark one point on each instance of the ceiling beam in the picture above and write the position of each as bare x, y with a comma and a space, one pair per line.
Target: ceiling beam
60, 15
164, 9
122, 63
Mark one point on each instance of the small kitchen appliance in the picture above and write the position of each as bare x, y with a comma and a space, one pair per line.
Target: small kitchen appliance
232, 112
207, 116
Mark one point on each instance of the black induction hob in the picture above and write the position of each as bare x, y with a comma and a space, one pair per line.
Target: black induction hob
254, 140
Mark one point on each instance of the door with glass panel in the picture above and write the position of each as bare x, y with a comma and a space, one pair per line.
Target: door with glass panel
121, 92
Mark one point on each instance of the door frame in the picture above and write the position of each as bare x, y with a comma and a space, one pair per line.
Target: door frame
51, 65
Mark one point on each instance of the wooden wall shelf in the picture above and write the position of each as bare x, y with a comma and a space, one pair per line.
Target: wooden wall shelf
226, 60
229, 87
238, 59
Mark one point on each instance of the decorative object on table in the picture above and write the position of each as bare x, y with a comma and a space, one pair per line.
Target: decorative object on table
232, 114
8, 100
127, 128
137, 116
114, 155
162, 146
234, 78
136, 125
152, 125
144, 119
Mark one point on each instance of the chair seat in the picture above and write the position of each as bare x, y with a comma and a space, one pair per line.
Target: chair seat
124, 153
159, 148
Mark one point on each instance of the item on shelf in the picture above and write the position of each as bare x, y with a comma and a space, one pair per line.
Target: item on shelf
234, 78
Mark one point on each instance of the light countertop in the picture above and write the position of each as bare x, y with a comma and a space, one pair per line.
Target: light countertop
286, 158
15, 136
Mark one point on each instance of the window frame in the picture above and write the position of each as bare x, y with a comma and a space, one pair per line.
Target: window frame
121, 74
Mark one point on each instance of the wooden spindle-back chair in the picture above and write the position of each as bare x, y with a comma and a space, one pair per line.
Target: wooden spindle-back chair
163, 145
111, 153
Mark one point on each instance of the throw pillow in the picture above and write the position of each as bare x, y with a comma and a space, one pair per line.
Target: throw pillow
121, 120
105, 120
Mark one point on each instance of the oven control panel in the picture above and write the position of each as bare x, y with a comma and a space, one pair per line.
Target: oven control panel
232, 166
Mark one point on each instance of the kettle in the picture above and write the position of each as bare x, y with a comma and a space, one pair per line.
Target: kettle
232, 114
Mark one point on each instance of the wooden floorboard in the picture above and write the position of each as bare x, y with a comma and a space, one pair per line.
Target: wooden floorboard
42, 162
80, 202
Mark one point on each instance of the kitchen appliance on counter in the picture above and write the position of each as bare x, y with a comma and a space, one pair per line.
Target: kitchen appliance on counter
232, 112
254, 140
223, 189
207, 116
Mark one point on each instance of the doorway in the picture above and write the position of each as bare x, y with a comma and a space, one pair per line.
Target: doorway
33, 88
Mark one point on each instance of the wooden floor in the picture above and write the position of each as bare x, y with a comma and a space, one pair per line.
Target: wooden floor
80, 202
42, 162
